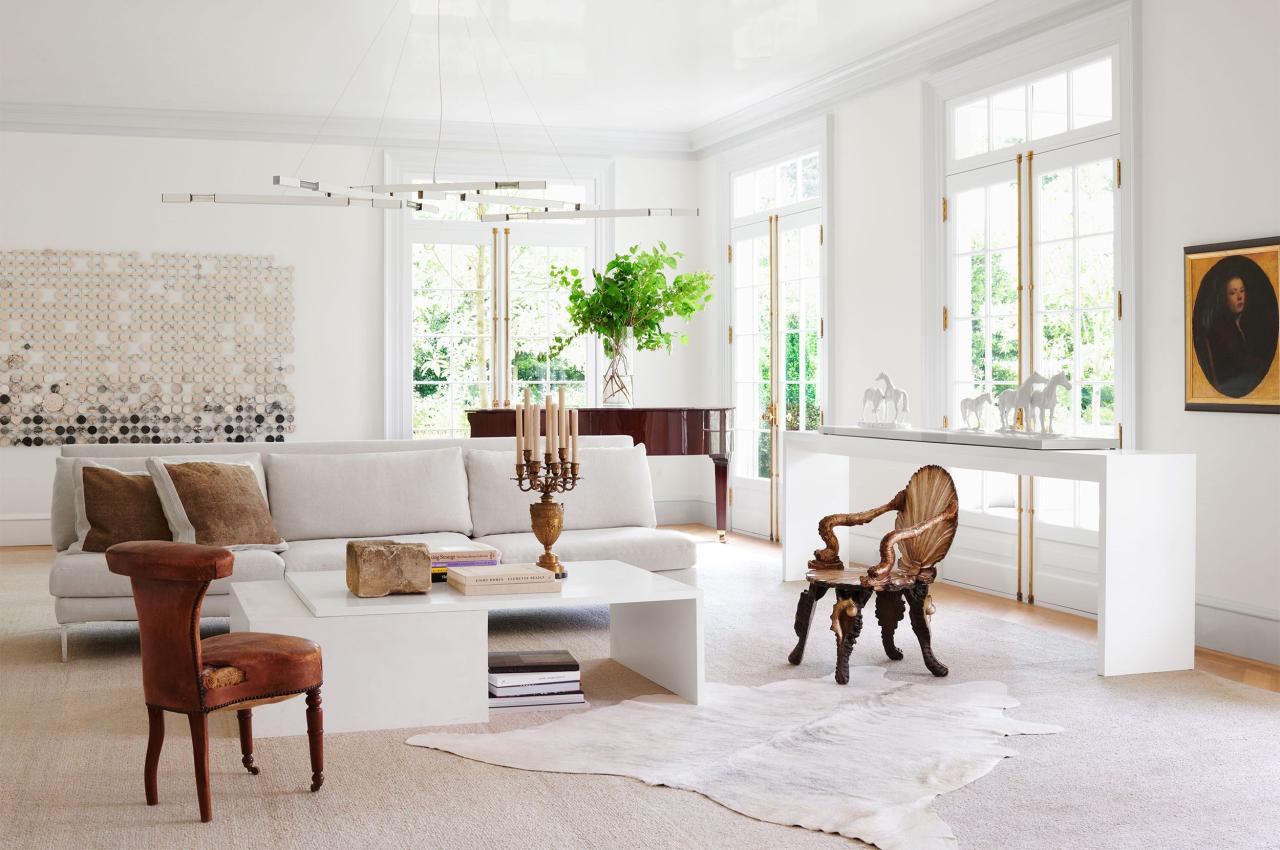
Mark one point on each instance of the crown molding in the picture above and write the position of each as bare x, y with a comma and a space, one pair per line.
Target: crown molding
980, 31
395, 133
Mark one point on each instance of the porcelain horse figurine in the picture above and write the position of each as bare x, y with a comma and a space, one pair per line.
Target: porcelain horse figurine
1045, 401
1010, 402
978, 407
875, 398
895, 396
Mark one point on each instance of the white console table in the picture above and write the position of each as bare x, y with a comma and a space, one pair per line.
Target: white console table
1146, 527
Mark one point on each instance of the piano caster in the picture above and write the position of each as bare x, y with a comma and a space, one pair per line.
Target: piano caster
722, 537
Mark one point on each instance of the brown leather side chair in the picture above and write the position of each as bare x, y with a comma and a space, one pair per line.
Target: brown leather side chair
182, 673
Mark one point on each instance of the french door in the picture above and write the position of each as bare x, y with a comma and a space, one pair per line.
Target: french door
453, 330
775, 343
1033, 290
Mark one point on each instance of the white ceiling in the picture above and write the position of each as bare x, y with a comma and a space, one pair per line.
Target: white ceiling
651, 65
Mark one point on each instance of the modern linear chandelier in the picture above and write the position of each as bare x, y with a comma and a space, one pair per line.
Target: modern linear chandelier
414, 196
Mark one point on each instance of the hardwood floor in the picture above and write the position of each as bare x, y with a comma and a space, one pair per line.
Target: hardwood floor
1244, 670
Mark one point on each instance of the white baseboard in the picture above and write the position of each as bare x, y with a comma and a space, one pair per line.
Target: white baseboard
684, 511
24, 530
1235, 628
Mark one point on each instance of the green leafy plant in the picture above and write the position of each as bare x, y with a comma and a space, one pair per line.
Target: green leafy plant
633, 296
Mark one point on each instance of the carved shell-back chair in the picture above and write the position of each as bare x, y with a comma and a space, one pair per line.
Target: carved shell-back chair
928, 511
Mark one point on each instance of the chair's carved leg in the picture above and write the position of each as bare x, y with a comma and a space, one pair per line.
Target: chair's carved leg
804, 617
155, 740
916, 595
200, 750
889, 611
315, 737
846, 622
245, 718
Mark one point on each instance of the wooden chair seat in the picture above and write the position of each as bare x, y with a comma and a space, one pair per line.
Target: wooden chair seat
272, 665
854, 575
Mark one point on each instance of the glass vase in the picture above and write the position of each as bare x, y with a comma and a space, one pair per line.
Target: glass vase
617, 388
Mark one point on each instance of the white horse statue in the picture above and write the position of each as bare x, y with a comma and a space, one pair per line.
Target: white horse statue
978, 407
875, 398
1011, 401
895, 396
1045, 401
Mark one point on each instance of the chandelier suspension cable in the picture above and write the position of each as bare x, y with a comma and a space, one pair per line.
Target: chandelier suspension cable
394, 5
395, 75
497, 139
515, 72
435, 178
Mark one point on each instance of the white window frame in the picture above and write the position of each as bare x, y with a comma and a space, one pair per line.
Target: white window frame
399, 228
1114, 31
816, 134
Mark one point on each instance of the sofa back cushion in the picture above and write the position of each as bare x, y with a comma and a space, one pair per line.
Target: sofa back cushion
614, 490
316, 496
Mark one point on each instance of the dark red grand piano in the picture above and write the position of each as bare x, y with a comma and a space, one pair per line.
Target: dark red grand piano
663, 430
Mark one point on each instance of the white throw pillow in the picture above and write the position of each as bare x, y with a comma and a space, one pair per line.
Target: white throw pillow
133, 466
614, 490
368, 494
182, 527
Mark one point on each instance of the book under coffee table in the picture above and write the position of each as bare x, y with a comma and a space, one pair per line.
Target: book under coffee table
416, 660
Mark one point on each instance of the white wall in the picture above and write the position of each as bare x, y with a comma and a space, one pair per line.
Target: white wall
875, 241
1210, 172
103, 193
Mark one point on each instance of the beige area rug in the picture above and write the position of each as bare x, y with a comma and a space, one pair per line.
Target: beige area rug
1180, 760
864, 760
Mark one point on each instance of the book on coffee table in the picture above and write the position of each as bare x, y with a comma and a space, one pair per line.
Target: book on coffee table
502, 578
534, 678
536, 699
443, 557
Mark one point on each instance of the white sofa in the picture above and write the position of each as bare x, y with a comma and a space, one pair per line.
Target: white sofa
324, 501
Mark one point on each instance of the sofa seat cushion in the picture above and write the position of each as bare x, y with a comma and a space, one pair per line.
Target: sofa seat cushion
331, 554
654, 549
85, 574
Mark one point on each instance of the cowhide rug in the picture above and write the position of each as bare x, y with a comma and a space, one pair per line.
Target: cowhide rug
864, 761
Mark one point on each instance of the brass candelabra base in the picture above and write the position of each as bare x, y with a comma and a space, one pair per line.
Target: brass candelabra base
547, 518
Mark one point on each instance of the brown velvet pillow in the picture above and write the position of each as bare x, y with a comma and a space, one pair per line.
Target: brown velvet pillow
215, 504
120, 508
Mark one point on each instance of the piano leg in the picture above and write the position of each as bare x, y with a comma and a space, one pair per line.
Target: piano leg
722, 495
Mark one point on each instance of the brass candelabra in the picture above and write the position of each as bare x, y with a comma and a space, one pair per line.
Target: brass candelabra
554, 474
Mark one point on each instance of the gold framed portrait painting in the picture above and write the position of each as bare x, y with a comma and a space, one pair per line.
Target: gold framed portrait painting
1233, 326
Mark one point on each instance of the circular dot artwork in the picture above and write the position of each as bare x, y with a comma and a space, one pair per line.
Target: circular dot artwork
107, 347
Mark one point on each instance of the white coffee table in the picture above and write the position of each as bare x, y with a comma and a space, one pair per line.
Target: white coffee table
422, 660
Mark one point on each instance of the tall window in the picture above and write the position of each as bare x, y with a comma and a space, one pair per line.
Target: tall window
482, 295
1032, 259
776, 276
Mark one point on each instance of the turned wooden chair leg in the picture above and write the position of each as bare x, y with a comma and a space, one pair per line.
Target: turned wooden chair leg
889, 611
315, 736
155, 741
916, 595
804, 617
245, 718
847, 616
200, 750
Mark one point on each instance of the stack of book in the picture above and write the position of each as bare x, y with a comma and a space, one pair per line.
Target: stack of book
502, 578
541, 679
443, 557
